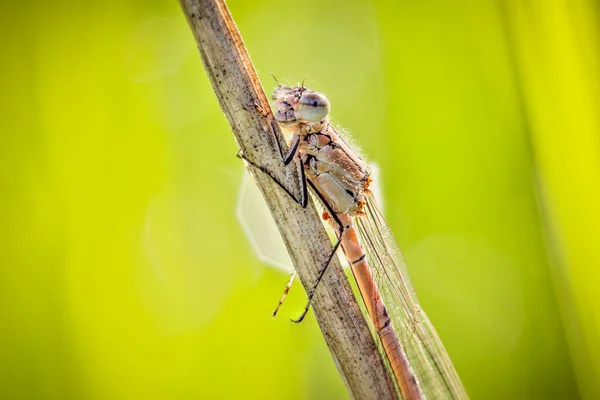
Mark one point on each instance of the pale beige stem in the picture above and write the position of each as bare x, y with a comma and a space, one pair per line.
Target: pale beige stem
245, 105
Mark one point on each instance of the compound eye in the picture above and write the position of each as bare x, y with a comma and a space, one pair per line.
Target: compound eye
313, 107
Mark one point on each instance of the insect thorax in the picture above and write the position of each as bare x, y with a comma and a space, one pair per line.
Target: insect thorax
336, 171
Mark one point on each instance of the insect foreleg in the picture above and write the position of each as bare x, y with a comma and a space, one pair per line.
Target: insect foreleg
292, 151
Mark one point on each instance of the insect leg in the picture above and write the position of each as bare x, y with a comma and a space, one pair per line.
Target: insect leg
292, 151
303, 201
311, 292
293, 148
285, 292
341, 228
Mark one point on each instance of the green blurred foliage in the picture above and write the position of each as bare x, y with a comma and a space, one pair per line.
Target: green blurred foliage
124, 273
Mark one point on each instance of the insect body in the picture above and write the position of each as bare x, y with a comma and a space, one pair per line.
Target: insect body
340, 179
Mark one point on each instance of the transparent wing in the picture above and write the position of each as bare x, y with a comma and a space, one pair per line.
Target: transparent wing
260, 229
425, 351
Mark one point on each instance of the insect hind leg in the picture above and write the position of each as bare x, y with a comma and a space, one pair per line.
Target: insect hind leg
311, 292
285, 292
336, 222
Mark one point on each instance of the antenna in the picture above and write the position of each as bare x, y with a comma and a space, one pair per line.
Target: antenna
276, 81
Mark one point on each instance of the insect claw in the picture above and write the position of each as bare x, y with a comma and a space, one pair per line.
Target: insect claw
276, 310
299, 319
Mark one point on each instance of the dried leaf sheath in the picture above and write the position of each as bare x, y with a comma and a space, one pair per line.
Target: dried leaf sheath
243, 101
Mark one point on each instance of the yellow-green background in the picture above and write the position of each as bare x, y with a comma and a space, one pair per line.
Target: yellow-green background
125, 275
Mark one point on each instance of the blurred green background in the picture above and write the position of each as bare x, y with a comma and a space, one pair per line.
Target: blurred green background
124, 273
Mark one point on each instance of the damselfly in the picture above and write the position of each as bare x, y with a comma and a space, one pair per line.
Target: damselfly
340, 179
